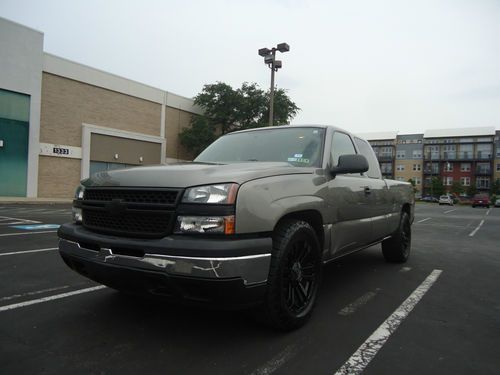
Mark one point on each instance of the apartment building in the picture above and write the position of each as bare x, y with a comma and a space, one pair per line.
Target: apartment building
462, 155
409, 159
384, 145
465, 156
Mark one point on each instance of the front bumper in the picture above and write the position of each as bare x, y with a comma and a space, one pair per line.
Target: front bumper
171, 266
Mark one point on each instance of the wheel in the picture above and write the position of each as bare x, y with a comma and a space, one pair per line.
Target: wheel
294, 276
397, 248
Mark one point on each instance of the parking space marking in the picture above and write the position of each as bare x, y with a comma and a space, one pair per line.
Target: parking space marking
28, 251
488, 212
33, 293
24, 221
451, 210
25, 233
405, 269
277, 361
421, 221
367, 351
352, 307
471, 234
50, 298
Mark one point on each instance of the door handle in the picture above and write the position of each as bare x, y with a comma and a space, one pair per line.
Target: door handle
367, 190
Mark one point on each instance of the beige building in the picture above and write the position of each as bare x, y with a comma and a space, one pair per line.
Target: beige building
60, 121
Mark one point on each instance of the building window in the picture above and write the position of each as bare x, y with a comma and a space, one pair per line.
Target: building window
483, 182
400, 167
417, 167
386, 168
417, 154
465, 181
447, 181
484, 151
417, 180
400, 154
465, 167
498, 167
448, 167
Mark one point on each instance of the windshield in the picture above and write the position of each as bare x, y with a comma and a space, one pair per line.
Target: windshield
302, 147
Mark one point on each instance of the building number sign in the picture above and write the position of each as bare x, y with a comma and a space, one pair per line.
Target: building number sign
60, 151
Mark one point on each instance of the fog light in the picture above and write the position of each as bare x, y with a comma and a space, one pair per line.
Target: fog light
205, 224
77, 215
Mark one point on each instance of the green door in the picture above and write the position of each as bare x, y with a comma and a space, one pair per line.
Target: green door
13, 157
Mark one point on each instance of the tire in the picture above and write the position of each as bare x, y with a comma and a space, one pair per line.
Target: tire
294, 276
397, 248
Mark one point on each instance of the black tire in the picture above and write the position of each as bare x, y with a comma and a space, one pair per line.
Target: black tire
397, 248
294, 276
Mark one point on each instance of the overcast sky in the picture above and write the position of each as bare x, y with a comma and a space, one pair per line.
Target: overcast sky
363, 65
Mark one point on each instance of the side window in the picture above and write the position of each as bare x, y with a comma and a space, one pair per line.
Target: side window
341, 145
365, 150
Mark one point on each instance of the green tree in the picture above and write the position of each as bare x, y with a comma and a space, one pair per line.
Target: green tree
226, 110
457, 188
437, 186
471, 190
197, 137
495, 187
412, 182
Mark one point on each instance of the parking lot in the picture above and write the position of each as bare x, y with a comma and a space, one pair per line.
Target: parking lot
437, 314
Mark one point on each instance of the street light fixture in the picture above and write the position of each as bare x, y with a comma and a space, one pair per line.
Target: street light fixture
270, 60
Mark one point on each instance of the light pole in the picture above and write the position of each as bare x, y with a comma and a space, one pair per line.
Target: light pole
270, 60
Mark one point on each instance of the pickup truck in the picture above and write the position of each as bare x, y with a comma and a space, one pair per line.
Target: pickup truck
249, 223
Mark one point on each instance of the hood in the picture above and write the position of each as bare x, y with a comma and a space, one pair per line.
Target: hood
182, 175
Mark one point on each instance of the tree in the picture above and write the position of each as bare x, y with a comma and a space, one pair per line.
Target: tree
437, 186
471, 190
412, 182
197, 137
227, 110
457, 188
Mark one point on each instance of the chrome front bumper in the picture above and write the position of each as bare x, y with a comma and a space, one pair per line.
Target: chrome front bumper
252, 269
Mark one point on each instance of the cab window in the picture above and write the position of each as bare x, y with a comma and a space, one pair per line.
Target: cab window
366, 150
341, 145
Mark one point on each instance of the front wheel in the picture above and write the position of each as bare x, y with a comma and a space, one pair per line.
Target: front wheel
294, 276
397, 248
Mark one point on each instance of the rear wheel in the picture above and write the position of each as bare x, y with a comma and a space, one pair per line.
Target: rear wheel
397, 248
294, 276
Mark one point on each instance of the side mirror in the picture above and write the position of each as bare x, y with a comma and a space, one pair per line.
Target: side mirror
350, 164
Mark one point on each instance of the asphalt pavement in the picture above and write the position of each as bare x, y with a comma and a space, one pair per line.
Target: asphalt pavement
439, 313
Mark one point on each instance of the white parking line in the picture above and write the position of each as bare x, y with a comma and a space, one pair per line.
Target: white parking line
33, 293
488, 212
352, 307
28, 251
471, 234
50, 298
450, 211
367, 351
277, 361
18, 219
421, 221
21, 234
405, 269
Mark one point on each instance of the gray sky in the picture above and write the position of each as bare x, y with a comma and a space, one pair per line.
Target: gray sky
363, 65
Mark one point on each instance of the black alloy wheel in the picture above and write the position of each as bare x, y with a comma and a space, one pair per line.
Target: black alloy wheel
397, 248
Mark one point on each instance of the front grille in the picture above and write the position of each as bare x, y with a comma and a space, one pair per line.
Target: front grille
130, 212
133, 196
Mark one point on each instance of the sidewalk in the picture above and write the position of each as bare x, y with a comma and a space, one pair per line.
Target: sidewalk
24, 200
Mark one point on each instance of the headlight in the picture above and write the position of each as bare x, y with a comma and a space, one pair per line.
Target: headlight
217, 194
76, 211
205, 224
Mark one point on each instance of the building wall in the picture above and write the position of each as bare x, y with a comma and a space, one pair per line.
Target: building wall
21, 60
67, 104
59, 177
408, 172
175, 121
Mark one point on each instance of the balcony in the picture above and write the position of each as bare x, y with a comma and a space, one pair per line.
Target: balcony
482, 171
385, 157
458, 156
484, 155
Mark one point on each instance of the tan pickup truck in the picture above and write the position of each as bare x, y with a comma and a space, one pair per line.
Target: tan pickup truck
249, 223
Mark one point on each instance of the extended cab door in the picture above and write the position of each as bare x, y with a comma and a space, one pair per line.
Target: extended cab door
348, 203
379, 202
